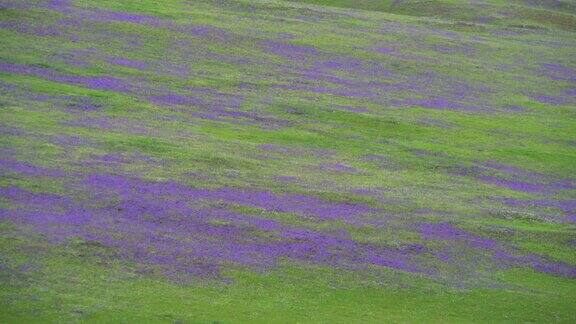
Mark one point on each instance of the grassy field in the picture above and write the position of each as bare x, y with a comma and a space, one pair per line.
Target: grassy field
287, 161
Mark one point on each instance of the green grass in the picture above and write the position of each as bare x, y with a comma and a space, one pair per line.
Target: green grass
88, 288
414, 181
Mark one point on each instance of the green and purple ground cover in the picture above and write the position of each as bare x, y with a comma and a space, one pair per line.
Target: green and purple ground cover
287, 161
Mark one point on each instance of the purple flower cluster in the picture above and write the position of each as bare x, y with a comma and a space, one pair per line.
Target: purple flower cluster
446, 232
96, 82
187, 230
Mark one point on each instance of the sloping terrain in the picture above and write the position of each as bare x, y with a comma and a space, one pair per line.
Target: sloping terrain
287, 161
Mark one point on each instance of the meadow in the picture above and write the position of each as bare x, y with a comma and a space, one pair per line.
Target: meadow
283, 161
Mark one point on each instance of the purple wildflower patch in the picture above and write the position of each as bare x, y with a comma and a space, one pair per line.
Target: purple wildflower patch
446, 232
11, 165
290, 51
559, 72
135, 64
97, 82
167, 225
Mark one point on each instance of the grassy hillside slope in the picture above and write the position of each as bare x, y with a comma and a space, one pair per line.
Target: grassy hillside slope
287, 161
